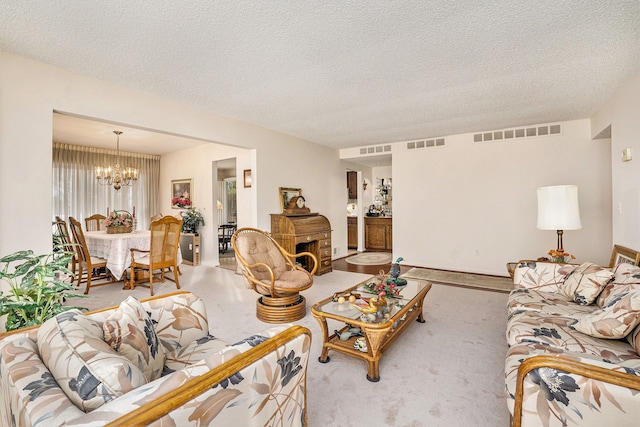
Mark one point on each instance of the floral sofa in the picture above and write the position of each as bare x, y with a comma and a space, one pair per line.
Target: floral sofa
151, 362
574, 342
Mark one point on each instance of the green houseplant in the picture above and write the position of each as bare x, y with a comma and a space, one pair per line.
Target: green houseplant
36, 287
191, 221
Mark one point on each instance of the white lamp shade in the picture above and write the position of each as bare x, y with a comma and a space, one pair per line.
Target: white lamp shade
558, 208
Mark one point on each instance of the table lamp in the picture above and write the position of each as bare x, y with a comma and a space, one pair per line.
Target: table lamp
558, 210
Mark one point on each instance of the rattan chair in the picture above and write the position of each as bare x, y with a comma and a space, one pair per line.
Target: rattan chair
96, 268
162, 254
272, 272
95, 222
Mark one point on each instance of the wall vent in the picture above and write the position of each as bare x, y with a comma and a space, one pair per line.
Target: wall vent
524, 132
427, 143
375, 150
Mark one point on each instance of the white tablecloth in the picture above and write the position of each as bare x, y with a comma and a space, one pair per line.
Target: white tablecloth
115, 248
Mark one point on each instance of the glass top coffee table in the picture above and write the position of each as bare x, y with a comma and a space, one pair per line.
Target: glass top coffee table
378, 330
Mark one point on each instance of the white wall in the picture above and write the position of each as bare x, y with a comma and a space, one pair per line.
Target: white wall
29, 93
472, 206
448, 201
622, 113
197, 163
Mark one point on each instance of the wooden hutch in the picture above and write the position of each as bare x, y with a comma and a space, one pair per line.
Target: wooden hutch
304, 233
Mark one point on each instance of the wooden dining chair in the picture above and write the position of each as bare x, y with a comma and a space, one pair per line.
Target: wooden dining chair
161, 256
225, 231
92, 265
95, 222
61, 231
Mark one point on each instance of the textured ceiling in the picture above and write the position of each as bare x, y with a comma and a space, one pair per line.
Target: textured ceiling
346, 73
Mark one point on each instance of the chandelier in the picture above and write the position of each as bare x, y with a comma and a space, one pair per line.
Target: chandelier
119, 177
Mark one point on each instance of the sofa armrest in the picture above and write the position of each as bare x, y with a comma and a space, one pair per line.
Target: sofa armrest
541, 276
605, 394
263, 384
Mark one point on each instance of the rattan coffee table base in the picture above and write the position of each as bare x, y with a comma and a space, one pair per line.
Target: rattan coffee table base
378, 336
281, 310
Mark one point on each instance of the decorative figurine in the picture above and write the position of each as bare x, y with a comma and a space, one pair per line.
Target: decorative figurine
394, 272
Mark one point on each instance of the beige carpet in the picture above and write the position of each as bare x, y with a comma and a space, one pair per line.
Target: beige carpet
463, 279
370, 258
447, 372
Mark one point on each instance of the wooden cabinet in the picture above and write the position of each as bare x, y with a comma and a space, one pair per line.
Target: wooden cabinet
308, 233
352, 232
190, 248
378, 234
352, 184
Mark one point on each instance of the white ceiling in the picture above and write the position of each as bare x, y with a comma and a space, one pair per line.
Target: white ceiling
345, 73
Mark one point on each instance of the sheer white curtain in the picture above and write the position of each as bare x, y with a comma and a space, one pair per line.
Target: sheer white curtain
76, 191
227, 195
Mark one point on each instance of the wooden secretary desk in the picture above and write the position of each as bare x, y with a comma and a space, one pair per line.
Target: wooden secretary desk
304, 233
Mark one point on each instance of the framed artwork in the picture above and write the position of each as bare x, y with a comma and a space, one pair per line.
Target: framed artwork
247, 178
181, 191
622, 254
287, 194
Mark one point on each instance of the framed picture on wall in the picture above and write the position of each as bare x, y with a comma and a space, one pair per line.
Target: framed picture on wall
622, 254
181, 193
287, 194
247, 178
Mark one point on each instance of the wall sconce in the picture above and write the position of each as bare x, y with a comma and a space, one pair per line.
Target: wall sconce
364, 184
247, 178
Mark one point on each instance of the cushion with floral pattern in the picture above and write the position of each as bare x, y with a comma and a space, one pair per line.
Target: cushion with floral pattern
615, 320
584, 284
85, 367
129, 330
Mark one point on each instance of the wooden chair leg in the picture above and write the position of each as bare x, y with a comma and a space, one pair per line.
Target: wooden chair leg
175, 276
86, 291
151, 282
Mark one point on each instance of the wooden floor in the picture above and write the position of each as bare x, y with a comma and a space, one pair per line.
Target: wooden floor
342, 265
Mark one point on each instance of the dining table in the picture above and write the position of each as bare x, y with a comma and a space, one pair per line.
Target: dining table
116, 248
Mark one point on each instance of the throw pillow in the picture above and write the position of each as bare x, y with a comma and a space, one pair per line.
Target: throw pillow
584, 284
87, 369
615, 320
626, 273
129, 330
627, 277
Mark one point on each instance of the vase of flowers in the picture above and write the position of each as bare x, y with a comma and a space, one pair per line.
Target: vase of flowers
560, 256
119, 222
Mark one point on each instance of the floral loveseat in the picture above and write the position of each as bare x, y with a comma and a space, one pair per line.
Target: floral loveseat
574, 342
151, 362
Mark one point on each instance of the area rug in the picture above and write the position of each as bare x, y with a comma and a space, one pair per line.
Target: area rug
370, 258
495, 283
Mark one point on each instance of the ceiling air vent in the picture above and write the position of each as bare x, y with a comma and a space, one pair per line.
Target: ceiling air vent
375, 150
427, 143
525, 132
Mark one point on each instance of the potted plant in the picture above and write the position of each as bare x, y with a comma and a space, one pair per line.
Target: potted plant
191, 221
36, 287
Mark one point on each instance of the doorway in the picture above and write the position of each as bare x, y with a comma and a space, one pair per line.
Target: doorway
226, 209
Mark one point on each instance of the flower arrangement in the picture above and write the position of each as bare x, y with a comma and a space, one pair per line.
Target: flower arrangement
191, 221
379, 286
560, 256
182, 201
119, 220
